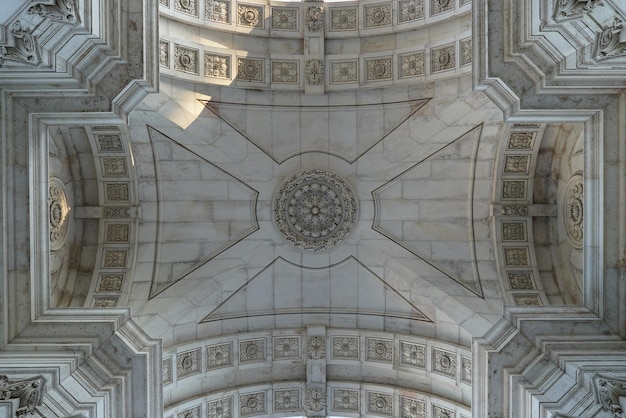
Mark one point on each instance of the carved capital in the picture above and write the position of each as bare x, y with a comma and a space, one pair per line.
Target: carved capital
608, 391
61, 11
611, 42
28, 391
24, 49
572, 9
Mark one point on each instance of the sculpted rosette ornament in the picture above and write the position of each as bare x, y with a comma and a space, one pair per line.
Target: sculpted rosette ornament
315, 210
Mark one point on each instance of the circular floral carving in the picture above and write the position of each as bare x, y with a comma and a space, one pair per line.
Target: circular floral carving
315, 209
315, 399
574, 210
58, 210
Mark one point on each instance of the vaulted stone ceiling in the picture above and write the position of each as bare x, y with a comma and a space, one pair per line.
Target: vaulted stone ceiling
315, 214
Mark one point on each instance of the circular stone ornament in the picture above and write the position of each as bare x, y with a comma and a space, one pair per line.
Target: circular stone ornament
573, 207
315, 209
58, 210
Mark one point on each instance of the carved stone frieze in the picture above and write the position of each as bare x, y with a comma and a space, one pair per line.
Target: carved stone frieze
571, 9
252, 404
527, 299
251, 351
117, 232
285, 18
441, 412
442, 58
114, 258
287, 400
117, 192
164, 53
411, 64
250, 16
217, 11
189, 7
444, 362
609, 390
219, 355
380, 403
28, 391
413, 354
514, 189
105, 301
514, 210
521, 280
217, 66
193, 412
314, 71
516, 164
441, 6
343, 18
60, 11
378, 69
250, 69
610, 43
412, 408
186, 59
314, 16
315, 400
315, 210
377, 15
220, 408
344, 71
114, 167
316, 347
516, 256
514, 231
58, 211
410, 10
109, 143
285, 72
286, 347
573, 208
379, 350
188, 363
345, 347
110, 282
345, 400
24, 49
521, 141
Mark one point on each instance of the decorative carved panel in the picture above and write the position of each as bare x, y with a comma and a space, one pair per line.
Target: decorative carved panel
413, 355
442, 58
377, 15
345, 347
411, 64
444, 362
378, 69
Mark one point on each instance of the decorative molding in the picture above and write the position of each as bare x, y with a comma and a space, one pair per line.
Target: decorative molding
377, 15
29, 392
60, 11
314, 72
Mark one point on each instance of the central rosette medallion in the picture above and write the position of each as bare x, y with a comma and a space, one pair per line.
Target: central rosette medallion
315, 209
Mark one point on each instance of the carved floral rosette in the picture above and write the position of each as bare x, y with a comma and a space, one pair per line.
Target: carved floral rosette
58, 211
315, 210
573, 208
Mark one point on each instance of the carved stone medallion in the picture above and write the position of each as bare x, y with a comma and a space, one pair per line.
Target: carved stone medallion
58, 209
315, 210
574, 210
